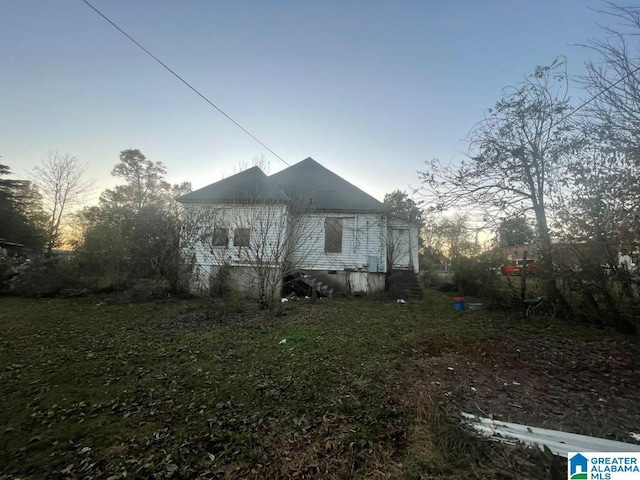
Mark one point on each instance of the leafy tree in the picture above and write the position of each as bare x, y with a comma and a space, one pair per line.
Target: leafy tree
155, 246
103, 247
20, 211
61, 184
144, 183
134, 231
402, 206
514, 160
514, 231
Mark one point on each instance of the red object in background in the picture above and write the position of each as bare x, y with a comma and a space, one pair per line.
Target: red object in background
532, 268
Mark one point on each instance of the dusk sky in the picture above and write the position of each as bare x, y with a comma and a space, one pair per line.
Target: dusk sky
370, 89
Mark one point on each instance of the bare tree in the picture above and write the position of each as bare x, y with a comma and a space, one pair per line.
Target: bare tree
612, 123
598, 214
261, 161
451, 237
252, 245
62, 186
515, 158
613, 81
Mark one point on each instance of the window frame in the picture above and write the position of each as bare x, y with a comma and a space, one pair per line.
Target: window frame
333, 235
220, 233
243, 233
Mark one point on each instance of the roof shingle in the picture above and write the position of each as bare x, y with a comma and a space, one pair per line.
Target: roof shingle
317, 187
248, 186
306, 183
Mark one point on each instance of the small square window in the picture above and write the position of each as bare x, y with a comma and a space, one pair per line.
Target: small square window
242, 237
220, 237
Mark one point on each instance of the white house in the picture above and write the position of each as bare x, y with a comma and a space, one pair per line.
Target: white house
302, 219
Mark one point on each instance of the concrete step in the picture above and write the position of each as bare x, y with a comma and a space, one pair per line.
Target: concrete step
405, 284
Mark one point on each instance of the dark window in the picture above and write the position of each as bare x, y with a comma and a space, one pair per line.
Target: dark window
333, 235
220, 237
241, 237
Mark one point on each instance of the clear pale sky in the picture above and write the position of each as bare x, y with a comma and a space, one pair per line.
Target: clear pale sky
370, 89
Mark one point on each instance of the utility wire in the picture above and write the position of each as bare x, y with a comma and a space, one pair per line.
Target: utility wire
184, 81
197, 92
587, 102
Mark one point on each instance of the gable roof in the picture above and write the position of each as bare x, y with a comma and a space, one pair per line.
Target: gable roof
248, 186
318, 188
306, 183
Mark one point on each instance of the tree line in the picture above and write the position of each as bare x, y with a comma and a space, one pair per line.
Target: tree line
132, 233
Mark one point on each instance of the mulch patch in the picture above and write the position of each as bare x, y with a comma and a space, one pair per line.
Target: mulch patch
570, 385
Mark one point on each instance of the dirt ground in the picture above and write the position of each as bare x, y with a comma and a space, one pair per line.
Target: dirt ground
575, 386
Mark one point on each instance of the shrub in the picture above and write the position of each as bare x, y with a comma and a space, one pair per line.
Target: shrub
477, 278
10, 267
438, 279
220, 285
44, 277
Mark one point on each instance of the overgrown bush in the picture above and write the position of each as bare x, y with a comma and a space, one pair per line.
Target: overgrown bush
44, 277
9, 268
478, 278
438, 279
220, 285
604, 297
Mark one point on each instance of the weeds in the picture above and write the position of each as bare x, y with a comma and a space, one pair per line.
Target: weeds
219, 389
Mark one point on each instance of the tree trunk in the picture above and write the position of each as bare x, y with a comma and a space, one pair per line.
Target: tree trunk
546, 273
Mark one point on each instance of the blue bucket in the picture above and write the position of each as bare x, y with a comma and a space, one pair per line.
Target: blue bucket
458, 303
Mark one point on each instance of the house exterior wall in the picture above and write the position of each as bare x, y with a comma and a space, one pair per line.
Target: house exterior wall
359, 267
517, 251
403, 242
266, 250
363, 236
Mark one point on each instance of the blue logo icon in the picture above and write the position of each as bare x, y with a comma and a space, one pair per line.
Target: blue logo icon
578, 467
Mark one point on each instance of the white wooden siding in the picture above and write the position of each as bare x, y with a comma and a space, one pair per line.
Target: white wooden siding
363, 235
403, 244
400, 248
267, 222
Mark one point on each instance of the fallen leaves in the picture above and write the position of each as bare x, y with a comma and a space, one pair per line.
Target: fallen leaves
545, 382
203, 390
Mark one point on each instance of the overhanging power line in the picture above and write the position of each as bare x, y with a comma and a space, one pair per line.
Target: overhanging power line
195, 90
